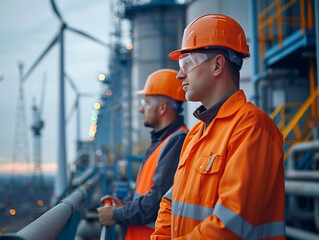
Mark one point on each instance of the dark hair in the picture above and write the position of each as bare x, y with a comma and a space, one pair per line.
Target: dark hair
176, 105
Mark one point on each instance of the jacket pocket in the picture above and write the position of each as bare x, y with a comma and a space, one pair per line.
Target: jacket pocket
208, 171
208, 164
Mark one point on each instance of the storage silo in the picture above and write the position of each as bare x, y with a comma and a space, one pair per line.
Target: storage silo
238, 10
157, 28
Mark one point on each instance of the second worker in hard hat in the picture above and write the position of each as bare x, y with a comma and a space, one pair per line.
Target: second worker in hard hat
229, 183
161, 107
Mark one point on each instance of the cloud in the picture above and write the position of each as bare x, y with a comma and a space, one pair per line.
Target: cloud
3, 160
26, 168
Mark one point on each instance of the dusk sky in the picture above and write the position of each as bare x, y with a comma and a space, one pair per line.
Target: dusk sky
26, 29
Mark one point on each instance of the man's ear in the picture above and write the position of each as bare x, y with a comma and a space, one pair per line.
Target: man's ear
163, 107
219, 65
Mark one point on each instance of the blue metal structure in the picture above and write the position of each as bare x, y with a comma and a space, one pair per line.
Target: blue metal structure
288, 38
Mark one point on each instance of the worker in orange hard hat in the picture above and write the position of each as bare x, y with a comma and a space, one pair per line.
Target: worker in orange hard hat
161, 107
229, 183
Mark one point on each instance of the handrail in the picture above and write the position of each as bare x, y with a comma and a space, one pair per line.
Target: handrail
293, 122
49, 225
268, 19
281, 109
77, 181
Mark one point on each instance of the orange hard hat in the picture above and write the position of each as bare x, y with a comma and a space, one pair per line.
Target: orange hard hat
164, 82
213, 30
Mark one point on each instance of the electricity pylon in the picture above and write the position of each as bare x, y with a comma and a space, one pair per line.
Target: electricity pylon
20, 146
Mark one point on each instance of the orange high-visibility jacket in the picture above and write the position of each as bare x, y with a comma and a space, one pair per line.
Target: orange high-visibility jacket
145, 184
229, 183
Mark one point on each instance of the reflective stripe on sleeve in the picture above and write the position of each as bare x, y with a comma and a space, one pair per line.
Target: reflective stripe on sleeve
191, 211
242, 228
169, 194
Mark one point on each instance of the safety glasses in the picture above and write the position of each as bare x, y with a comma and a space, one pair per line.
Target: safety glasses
188, 61
149, 102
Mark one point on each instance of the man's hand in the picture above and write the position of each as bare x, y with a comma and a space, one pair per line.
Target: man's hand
115, 201
106, 215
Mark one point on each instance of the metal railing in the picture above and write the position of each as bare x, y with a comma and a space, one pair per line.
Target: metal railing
278, 16
59, 222
293, 125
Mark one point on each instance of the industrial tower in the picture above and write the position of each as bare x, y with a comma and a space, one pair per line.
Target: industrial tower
157, 28
37, 126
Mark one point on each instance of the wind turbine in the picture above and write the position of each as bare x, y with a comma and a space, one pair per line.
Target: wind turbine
61, 181
76, 106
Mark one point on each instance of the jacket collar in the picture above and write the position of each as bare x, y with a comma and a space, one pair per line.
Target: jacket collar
236, 101
165, 132
229, 107
207, 115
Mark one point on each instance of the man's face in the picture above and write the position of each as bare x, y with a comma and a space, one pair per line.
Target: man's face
198, 82
149, 108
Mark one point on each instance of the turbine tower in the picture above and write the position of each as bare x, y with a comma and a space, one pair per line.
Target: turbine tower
76, 106
61, 181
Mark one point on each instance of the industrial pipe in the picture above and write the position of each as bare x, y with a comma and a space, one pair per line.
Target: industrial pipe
49, 225
77, 181
301, 188
298, 234
300, 147
298, 188
302, 175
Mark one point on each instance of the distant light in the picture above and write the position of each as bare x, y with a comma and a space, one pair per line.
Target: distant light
129, 46
95, 112
93, 121
108, 92
40, 203
91, 133
94, 118
12, 211
101, 76
97, 106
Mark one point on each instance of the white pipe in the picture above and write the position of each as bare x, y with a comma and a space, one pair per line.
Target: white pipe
302, 175
295, 233
300, 188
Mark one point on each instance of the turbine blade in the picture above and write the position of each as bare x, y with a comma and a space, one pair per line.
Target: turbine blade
74, 106
89, 37
89, 95
55, 39
55, 9
71, 83
43, 94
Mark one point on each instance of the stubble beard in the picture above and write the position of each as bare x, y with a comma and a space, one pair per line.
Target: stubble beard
146, 124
